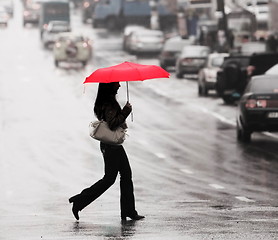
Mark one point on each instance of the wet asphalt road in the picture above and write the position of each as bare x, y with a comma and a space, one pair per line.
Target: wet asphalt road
192, 179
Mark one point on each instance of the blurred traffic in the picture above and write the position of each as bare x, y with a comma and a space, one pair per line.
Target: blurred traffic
220, 44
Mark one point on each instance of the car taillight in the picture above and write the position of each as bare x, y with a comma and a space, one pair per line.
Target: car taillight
86, 4
166, 54
187, 60
254, 103
135, 40
26, 13
211, 73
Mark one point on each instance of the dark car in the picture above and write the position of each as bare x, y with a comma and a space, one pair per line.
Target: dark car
258, 107
236, 71
191, 60
31, 13
87, 9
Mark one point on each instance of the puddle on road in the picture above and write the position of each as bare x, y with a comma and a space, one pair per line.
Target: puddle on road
221, 207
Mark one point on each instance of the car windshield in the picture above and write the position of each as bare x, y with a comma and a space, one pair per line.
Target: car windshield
217, 61
147, 34
175, 46
195, 51
263, 85
253, 47
73, 39
59, 28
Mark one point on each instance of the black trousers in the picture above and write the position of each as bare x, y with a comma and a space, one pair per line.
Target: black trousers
115, 160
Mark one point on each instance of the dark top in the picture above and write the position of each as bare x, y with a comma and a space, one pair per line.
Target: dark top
114, 115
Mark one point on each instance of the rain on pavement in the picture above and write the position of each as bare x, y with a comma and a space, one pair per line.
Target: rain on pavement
192, 179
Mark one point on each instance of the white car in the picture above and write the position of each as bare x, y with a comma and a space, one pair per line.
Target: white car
207, 75
146, 41
4, 18
127, 32
71, 47
53, 29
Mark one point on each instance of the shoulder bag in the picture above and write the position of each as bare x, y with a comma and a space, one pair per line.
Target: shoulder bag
99, 130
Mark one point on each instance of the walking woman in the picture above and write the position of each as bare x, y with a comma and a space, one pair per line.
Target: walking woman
115, 158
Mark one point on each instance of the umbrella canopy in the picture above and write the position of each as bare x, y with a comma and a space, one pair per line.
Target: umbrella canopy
125, 72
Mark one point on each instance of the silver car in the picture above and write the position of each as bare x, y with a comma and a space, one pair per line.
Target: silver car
4, 18
146, 41
53, 29
191, 60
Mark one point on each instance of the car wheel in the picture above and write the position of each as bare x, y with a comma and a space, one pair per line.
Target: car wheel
200, 90
203, 91
228, 100
95, 24
163, 66
243, 134
178, 73
56, 63
84, 63
111, 23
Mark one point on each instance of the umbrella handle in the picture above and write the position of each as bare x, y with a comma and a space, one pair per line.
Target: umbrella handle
127, 96
127, 92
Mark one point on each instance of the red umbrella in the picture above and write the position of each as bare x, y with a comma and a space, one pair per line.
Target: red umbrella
125, 72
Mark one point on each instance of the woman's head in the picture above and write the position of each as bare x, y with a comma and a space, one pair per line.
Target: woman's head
108, 89
106, 93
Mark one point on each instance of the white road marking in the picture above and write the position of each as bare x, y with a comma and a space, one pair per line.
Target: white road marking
257, 220
187, 171
270, 134
218, 116
216, 186
160, 155
233, 123
244, 199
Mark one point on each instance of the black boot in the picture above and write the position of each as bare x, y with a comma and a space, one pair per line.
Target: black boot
133, 217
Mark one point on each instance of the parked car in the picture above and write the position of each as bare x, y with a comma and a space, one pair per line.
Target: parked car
4, 18
171, 50
53, 29
31, 13
87, 9
191, 60
8, 7
116, 14
207, 75
236, 71
70, 47
146, 41
258, 107
127, 34
249, 48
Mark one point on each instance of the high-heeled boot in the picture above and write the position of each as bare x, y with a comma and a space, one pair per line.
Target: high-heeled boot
133, 217
75, 207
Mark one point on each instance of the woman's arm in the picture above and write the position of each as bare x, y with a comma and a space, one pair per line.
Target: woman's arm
115, 116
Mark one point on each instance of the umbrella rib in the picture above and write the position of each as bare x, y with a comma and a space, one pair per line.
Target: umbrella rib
141, 78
